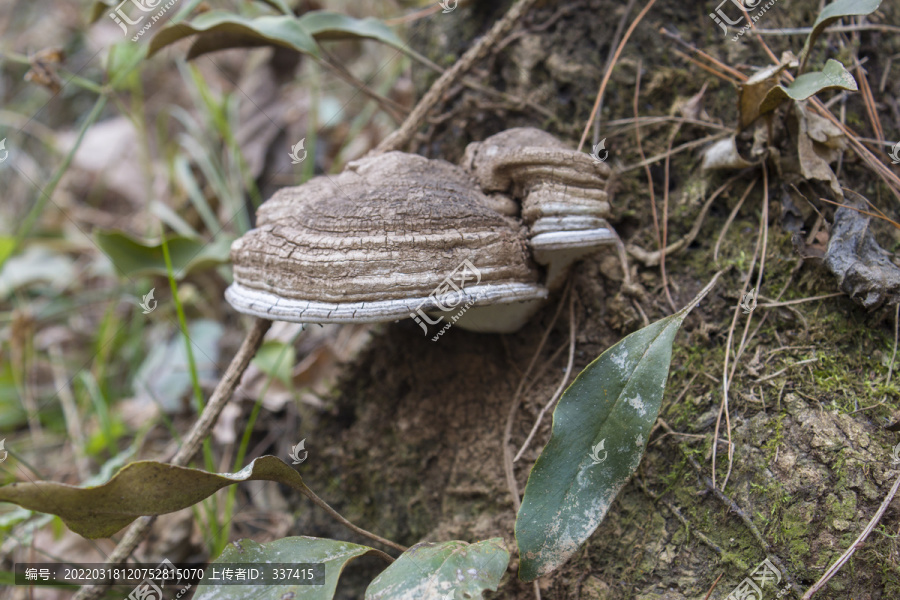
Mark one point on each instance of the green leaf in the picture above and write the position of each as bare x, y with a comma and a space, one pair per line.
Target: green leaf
12, 415
334, 554
447, 570
277, 359
121, 62
833, 76
600, 430
37, 264
830, 14
220, 29
140, 489
7, 245
101, 6
327, 25
133, 257
280, 5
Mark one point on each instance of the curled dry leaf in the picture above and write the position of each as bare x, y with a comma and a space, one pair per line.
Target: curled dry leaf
864, 269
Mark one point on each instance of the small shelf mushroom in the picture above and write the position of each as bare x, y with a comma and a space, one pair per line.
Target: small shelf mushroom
562, 192
397, 235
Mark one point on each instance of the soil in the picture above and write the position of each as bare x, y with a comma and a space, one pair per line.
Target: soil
414, 438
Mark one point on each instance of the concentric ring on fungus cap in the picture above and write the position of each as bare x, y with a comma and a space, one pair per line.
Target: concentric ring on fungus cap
374, 242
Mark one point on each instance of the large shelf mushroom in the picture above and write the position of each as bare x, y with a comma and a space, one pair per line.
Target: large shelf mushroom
398, 235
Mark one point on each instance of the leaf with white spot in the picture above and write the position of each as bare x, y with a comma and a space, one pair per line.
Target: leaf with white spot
612, 404
447, 571
334, 554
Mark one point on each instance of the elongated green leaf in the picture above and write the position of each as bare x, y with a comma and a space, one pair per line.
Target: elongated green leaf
830, 14
833, 76
140, 489
220, 29
280, 5
448, 570
7, 245
334, 554
134, 257
600, 430
327, 25
185, 6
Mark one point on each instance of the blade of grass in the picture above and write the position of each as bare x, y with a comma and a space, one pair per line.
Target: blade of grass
99, 402
210, 506
225, 532
44, 195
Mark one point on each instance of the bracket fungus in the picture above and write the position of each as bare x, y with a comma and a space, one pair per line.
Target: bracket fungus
562, 193
397, 235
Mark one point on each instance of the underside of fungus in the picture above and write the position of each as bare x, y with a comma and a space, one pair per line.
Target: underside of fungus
397, 235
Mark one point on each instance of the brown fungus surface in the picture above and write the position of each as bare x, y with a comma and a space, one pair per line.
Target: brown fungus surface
374, 241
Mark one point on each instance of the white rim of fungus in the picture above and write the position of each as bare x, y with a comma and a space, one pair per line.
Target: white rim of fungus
564, 240
270, 306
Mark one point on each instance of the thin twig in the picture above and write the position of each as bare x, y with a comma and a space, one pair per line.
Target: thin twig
562, 384
730, 219
651, 259
893, 356
763, 241
474, 85
715, 583
640, 147
665, 220
719, 64
706, 68
832, 571
394, 110
785, 370
514, 406
733, 507
800, 300
337, 516
400, 138
726, 376
685, 146
606, 76
864, 212
661, 119
70, 411
611, 57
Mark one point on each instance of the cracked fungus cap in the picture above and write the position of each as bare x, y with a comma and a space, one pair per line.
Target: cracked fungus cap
392, 235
